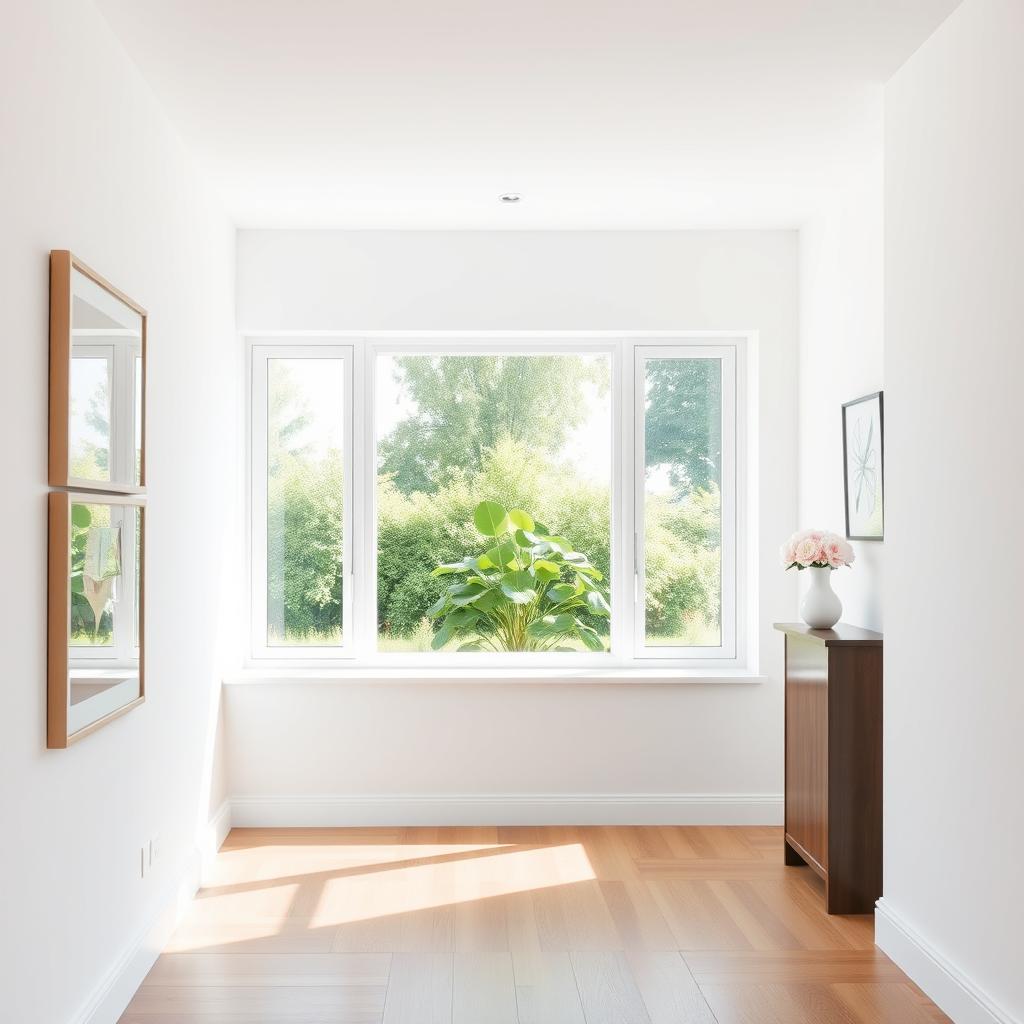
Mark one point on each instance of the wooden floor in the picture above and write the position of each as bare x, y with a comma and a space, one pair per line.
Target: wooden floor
531, 925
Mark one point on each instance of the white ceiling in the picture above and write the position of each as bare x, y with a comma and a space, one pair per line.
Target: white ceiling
603, 114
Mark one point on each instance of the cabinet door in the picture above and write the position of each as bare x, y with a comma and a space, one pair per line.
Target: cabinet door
807, 746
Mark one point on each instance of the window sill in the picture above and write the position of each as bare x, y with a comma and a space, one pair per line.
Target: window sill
493, 677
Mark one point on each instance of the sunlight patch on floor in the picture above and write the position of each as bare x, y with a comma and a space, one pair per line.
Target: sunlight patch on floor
269, 891
423, 886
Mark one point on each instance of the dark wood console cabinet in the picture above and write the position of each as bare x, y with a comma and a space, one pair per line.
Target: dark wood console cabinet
834, 761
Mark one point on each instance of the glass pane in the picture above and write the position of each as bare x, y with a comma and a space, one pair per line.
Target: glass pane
89, 428
96, 570
103, 663
136, 515
683, 503
527, 432
105, 415
305, 484
137, 415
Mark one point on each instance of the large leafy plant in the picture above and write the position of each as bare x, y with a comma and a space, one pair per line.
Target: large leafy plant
529, 591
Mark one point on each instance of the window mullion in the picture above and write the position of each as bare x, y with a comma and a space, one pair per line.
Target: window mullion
363, 618
623, 610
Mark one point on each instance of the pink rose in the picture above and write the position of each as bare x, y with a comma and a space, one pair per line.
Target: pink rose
807, 551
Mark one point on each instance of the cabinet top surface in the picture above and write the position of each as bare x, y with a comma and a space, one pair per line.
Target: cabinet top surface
841, 635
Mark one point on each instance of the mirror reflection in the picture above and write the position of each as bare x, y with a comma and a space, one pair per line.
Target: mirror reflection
105, 589
105, 387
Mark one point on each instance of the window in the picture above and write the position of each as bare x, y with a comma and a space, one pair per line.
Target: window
610, 469
686, 496
299, 442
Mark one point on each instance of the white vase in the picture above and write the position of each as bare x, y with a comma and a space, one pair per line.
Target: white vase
821, 607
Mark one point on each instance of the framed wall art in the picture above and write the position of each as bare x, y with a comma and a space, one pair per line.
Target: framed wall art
863, 467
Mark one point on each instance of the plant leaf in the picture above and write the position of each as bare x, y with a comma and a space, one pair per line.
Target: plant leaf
559, 592
450, 567
81, 516
461, 618
501, 555
490, 518
591, 638
518, 587
545, 571
441, 637
489, 600
597, 604
473, 645
526, 538
521, 519
576, 558
437, 607
551, 625
465, 593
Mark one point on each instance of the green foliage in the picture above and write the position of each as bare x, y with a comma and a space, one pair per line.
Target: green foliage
304, 524
417, 531
84, 627
304, 550
502, 601
683, 563
467, 404
492, 428
684, 423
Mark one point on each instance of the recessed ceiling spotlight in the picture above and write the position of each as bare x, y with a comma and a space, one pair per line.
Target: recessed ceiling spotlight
510, 197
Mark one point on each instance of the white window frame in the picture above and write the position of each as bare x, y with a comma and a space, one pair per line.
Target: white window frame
726, 651
259, 356
627, 649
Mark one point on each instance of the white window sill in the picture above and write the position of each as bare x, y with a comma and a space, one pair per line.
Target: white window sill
501, 677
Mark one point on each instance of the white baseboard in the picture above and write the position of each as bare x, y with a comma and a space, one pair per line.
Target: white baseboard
508, 809
115, 990
944, 983
215, 833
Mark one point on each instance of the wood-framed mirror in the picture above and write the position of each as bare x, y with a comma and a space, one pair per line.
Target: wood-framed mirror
96, 615
97, 381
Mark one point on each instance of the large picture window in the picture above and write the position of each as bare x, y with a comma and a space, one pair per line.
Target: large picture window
539, 501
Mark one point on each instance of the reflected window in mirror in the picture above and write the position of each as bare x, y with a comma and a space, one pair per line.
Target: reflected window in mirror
97, 381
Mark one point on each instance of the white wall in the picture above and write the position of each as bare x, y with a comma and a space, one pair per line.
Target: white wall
954, 367
537, 740
841, 359
89, 164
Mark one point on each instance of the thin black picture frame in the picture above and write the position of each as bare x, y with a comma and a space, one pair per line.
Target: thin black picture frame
846, 465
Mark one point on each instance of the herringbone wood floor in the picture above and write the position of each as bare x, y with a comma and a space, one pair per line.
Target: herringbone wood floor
532, 925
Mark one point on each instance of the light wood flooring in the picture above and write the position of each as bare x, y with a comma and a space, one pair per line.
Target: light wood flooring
558, 925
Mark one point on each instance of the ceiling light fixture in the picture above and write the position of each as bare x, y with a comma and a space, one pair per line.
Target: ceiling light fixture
510, 197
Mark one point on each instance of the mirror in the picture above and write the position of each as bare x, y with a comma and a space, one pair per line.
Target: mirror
97, 381
96, 612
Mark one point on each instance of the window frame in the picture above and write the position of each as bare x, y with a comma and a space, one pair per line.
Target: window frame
259, 356
727, 650
358, 653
